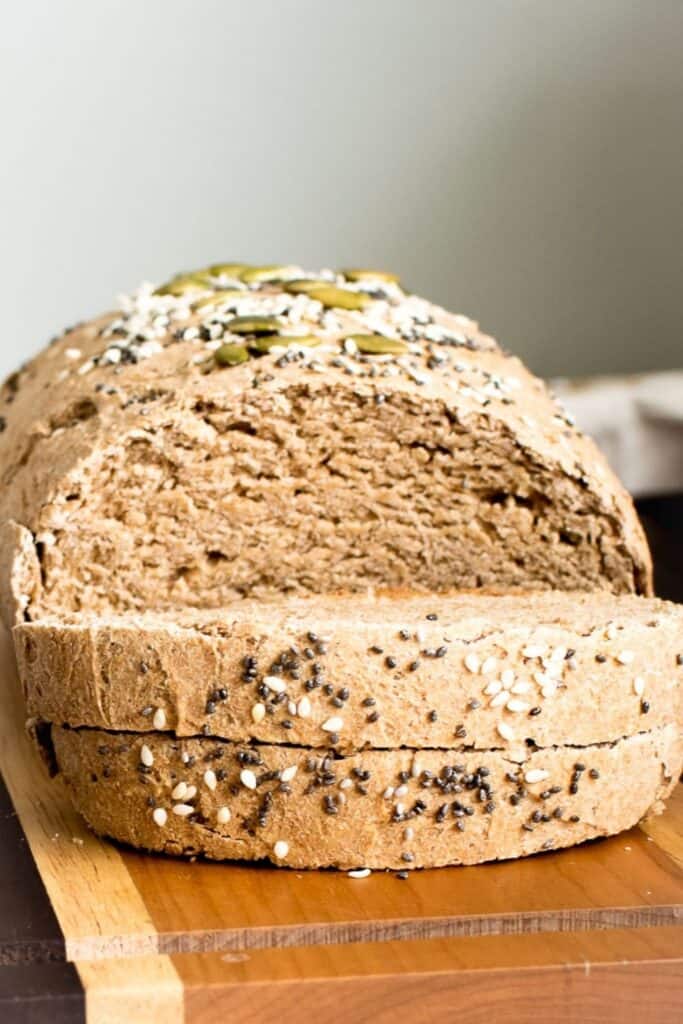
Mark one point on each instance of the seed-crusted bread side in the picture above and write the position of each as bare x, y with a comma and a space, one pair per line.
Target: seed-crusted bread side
255, 431
448, 671
386, 809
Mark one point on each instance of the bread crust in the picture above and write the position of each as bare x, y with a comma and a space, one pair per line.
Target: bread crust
357, 811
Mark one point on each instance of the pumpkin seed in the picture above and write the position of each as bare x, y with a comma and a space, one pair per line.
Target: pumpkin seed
378, 345
304, 285
354, 274
339, 298
184, 283
222, 295
274, 272
228, 269
231, 355
254, 325
268, 341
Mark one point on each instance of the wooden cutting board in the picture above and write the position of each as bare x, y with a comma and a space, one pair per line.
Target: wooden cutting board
93, 931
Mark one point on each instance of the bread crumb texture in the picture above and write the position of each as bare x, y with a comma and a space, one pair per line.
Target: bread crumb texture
258, 431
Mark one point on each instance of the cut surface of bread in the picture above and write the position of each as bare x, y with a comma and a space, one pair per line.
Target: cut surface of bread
390, 444
439, 671
377, 809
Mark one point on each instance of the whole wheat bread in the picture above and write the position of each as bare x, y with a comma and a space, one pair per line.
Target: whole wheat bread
138, 472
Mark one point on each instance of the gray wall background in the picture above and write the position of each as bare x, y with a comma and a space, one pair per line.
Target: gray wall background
518, 160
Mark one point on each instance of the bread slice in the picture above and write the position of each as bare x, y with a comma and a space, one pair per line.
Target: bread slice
450, 671
139, 471
377, 809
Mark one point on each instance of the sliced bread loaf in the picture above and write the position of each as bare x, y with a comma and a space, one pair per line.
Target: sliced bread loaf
384, 809
449, 671
259, 431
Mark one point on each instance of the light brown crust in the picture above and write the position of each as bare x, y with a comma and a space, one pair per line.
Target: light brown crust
469, 475
566, 669
608, 788
20, 581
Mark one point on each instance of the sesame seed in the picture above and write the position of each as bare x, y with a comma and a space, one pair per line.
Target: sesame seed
159, 720
488, 666
594, 773
346, 784
288, 774
639, 686
492, 688
359, 873
179, 792
146, 756
533, 651
183, 810
644, 707
304, 708
210, 779
281, 849
402, 875
499, 699
190, 793
258, 713
520, 688
536, 775
507, 678
505, 731
625, 657
611, 632
334, 724
275, 683
388, 793
247, 778
390, 662
472, 663
535, 711
517, 705
223, 815
160, 816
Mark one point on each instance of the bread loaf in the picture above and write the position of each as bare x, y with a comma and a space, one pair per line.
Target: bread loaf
378, 808
260, 431
448, 671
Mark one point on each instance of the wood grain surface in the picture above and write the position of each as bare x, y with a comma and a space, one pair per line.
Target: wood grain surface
94, 931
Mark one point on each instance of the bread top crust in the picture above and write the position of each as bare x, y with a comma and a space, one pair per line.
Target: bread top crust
140, 371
